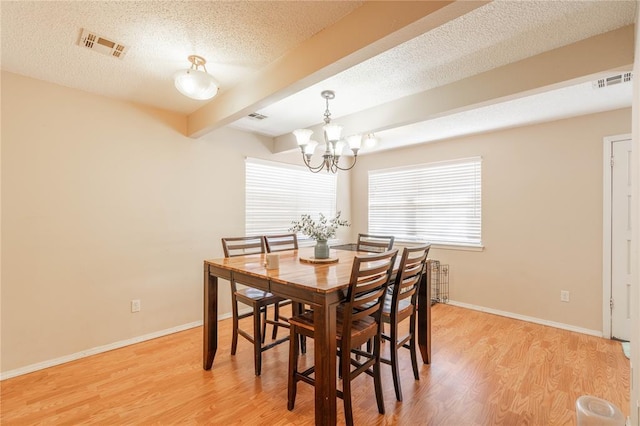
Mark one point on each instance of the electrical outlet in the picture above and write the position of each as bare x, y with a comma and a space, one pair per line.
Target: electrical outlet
135, 305
564, 296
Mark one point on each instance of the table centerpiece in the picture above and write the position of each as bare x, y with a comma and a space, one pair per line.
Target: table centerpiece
321, 231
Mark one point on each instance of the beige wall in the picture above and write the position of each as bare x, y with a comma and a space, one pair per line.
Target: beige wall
104, 202
542, 216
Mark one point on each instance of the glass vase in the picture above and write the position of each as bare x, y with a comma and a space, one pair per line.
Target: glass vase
321, 250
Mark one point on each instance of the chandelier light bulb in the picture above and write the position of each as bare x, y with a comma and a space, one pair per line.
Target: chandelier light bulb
355, 141
333, 132
310, 148
302, 136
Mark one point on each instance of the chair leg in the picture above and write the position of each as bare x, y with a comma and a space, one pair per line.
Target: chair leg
377, 379
234, 338
293, 368
298, 309
345, 367
395, 372
413, 349
276, 318
303, 344
257, 338
263, 334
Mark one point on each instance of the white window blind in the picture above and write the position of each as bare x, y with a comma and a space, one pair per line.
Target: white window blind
278, 193
439, 202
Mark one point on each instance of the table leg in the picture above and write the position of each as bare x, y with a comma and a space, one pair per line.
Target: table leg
324, 318
424, 315
210, 338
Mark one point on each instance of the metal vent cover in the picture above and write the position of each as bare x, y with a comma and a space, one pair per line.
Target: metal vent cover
257, 116
613, 79
100, 44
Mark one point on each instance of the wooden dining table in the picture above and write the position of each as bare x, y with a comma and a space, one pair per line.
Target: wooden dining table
320, 285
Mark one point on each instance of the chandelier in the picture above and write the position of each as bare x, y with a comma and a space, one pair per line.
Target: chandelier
194, 83
334, 146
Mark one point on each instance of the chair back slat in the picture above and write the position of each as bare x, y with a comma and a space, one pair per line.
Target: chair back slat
370, 277
374, 243
238, 246
281, 242
409, 276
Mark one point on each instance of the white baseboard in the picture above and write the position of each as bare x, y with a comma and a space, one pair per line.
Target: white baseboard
93, 351
534, 320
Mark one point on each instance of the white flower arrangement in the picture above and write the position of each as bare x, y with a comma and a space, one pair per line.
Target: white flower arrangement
322, 230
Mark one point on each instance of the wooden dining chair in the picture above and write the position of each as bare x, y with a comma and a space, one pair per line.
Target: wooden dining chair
401, 306
358, 321
258, 300
275, 243
374, 243
281, 242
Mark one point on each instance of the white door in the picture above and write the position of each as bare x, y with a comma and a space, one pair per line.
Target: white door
621, 239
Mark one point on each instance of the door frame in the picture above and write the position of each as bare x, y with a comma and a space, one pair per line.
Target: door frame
606, 230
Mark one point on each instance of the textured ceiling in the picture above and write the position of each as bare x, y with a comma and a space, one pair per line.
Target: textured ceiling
39, 40
239, 39
496, 34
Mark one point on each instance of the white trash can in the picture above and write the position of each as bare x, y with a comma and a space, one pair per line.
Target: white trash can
592, 411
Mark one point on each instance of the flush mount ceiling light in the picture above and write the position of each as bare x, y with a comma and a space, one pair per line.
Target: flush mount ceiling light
195, 83
334, 146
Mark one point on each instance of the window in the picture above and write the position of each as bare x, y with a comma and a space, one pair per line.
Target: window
278, 193
437, 202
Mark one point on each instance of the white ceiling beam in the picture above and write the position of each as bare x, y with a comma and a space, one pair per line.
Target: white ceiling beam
366, 32
571, 64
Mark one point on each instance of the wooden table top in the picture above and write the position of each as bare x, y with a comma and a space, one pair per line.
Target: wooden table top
322, 277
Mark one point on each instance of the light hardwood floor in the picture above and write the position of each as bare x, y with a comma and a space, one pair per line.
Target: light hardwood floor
486, 370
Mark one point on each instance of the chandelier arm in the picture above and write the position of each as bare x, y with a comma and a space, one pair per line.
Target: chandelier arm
355, 159
314, 169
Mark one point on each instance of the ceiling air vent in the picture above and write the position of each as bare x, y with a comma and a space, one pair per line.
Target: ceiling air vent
100, 44
256, 116
611, 80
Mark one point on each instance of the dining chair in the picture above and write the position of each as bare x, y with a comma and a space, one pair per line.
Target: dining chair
374, 243
358, 321
401, 306
281, 242
275, 243
258, 300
